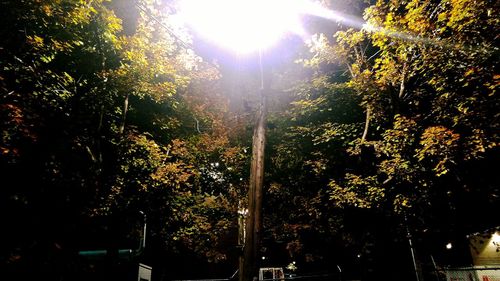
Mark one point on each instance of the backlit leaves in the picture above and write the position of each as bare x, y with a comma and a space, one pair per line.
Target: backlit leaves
439, 144
357, 191
423, 74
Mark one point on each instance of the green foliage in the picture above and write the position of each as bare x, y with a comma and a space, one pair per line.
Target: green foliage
432, 120
441, 143
424, 74
106, 123
398, 119
361, 192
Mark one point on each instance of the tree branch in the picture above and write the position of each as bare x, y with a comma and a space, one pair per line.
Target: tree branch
367, 123
124, 115
402, 84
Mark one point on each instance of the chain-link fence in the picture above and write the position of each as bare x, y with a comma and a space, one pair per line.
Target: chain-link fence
312, 277
471, 274
438, 274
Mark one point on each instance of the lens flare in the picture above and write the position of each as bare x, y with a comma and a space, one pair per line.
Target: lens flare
358, 23
245, 26
242, 25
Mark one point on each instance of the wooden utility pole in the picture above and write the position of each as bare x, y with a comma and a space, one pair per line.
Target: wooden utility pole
254, 219
253, 227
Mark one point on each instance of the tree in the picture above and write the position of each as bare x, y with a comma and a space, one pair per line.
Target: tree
424, 75
107, 122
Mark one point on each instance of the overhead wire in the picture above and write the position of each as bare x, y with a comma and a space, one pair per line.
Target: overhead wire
168, 29
187, 46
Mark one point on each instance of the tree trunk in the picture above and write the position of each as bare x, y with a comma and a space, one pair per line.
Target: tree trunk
124, 115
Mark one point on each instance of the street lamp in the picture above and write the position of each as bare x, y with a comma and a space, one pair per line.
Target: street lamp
246, 26
243, 26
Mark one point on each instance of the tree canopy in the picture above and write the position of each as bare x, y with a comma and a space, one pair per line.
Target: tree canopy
377, 129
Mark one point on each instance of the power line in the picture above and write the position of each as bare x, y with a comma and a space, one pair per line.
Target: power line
168, 29
187, 46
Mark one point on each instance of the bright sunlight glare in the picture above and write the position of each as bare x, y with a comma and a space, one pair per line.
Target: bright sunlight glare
243, 25
357, 23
